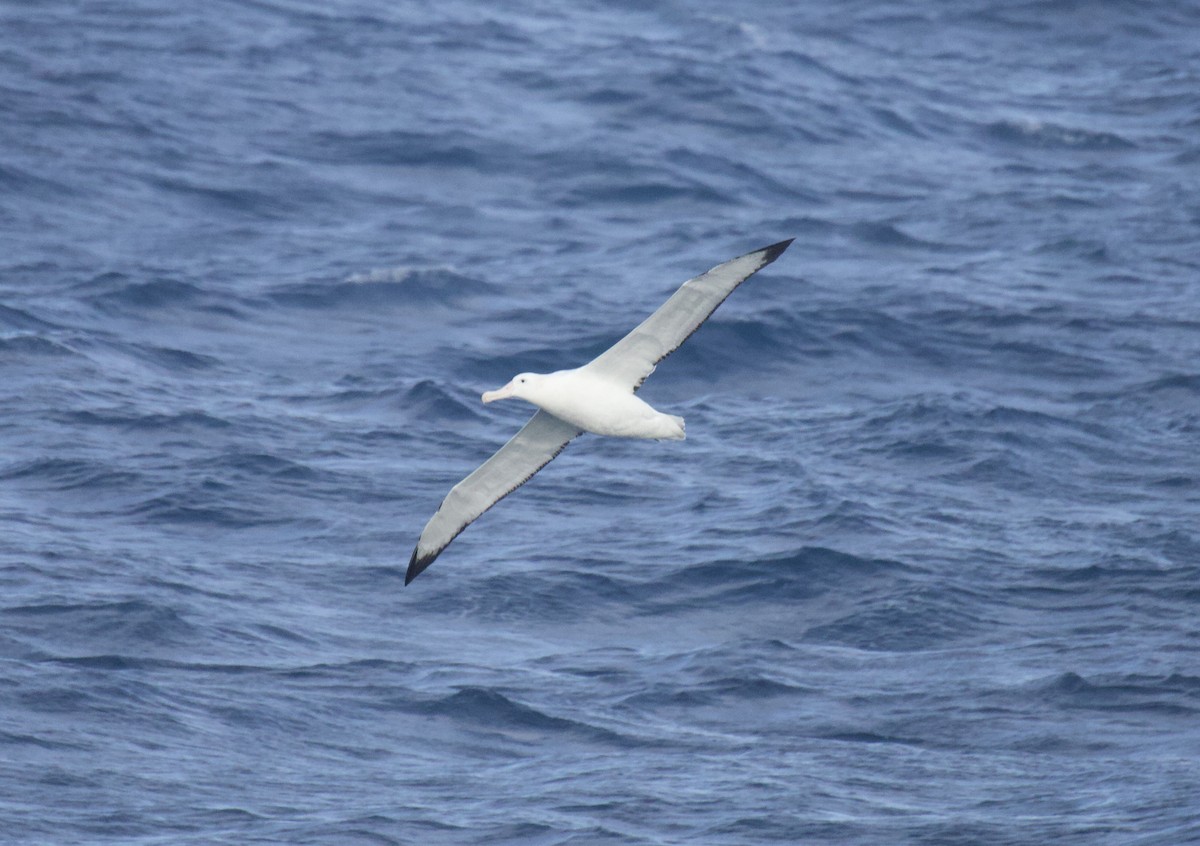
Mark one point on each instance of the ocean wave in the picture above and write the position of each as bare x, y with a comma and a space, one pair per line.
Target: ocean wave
727, 690
206, 506
24, 321
607, 191
157, 294
30, 345
795, 576
491, 712
883, 233
69, 473
388, 287
261, 465
1175, 695
178, 421
427, 400
19, 181
905, 620
398, 147
1030, 132
236, 199
171, 358
118, 627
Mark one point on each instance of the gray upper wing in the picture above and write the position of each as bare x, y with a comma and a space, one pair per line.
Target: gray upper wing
539, 440
633, 358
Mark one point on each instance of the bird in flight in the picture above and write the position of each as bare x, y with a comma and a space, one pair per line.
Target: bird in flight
599, 397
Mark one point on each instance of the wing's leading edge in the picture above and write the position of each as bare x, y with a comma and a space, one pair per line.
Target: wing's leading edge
630, 360
531, 449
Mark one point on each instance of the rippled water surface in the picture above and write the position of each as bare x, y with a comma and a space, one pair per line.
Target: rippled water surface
926, 569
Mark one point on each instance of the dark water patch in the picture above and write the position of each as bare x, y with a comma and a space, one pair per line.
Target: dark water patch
752, 687
60, 700
669, 696
395, 288
976, 316
1113, 574
868, 737
32, 346
174, 360
807, 62
128, 625
23, 321
1181, 547
398, 148
1163, 573
1037, 134
1165, 405
791, 577
643, 193
156, 294
956, 430
142, 664
808, 226
1186, 383
427, 400
883, 234
738, 176
231, 200
109, 663
1046, 360
549, 593
854, 517
492, 712
69, 474
688, 94
1176, 695
600, 96
10, 739
197, 508
1004, 468
1023, 420
354, 670
179, 422
20, 182
731, 689
273, 632
847, 330
903, 621
1175, 482
893, 122
259, 465
1087, 249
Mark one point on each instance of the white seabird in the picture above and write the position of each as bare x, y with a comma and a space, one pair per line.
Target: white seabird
598, 397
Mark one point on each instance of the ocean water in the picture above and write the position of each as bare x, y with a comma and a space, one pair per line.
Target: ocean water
926, 569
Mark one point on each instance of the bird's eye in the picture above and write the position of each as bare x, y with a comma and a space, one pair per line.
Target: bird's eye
522, 381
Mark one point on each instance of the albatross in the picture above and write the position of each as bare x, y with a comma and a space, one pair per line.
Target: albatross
599, 397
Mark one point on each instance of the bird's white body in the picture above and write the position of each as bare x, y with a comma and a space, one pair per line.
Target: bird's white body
593, 403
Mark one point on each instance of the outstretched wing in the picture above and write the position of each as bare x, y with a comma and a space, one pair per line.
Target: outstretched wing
531, 449
630, 360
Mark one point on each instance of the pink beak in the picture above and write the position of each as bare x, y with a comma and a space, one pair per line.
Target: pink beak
501, 393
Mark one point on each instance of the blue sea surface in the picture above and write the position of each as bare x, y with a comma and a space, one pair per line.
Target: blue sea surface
926, 569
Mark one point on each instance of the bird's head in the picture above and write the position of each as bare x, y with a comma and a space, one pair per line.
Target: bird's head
523, 386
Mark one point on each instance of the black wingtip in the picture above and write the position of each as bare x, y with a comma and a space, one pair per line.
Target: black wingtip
775, 250
416, 566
